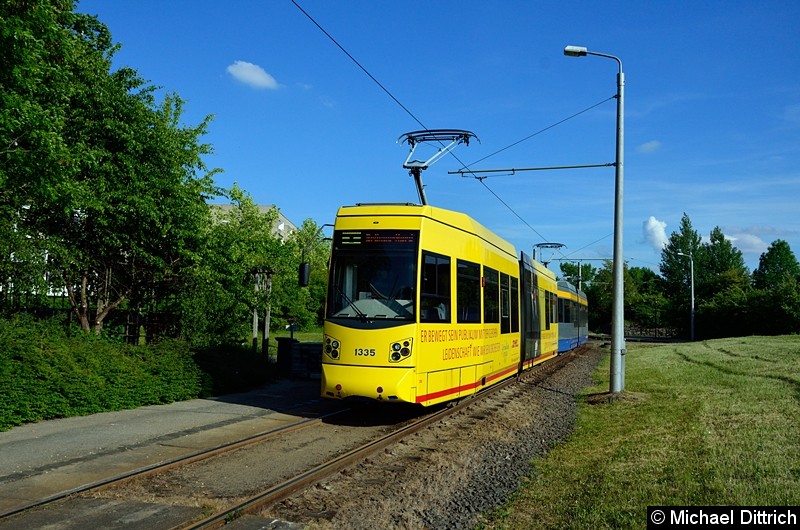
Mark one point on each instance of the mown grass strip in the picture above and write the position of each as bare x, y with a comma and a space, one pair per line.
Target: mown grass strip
707, 423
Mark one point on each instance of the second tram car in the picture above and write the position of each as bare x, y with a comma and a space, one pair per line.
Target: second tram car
573, 321
425, 306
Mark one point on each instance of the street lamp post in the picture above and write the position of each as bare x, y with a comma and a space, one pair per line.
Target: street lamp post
691, 268
618, 351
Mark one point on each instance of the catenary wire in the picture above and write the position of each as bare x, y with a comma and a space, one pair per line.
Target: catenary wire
360, 66
588, 245
414, 117
587, 109
511, 210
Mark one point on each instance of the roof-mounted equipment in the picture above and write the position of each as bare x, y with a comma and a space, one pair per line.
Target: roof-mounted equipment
414, 138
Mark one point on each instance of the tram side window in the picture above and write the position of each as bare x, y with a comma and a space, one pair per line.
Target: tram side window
514, 305
546, 309
491, 296
575, 316
435, 286
529, 305
550, 309
468, 292
505, 304
564, 310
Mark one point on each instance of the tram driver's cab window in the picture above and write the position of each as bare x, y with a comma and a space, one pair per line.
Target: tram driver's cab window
434, 297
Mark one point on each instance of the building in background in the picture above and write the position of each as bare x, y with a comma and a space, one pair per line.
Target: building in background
282, 228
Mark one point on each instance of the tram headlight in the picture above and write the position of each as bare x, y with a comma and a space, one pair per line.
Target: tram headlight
400, 350
331, 347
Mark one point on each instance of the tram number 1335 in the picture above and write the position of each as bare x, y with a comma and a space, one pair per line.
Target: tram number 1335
363, 352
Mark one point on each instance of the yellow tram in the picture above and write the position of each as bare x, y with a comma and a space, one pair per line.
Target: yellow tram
425, 306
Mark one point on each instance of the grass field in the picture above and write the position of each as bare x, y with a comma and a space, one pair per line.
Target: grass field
314, 335
699, 424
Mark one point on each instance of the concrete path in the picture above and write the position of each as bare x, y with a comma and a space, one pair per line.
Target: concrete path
44, 459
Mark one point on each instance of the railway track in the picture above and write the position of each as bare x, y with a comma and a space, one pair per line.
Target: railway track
277, 491
167, 465
65, 504
257, 503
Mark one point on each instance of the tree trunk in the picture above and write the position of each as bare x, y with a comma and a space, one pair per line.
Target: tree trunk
80, 304
265, 340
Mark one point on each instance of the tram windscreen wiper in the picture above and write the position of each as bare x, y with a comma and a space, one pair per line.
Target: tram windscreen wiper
391, 302
350, 303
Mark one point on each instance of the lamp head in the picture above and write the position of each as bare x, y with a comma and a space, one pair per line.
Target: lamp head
575, 51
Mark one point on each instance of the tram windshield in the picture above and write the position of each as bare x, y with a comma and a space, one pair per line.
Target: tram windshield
373, 275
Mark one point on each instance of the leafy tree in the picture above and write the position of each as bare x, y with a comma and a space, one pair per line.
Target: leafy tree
775, 308
138, 223
674, 264
675, 269
775, 266
600, 294
119, 203
738, 312
217, 306
302, 306
579, 274
36, 40
728, 313
645, 281
721, 267
646, 306
785, 302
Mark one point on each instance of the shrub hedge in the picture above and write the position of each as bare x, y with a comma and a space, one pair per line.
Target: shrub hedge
47, 371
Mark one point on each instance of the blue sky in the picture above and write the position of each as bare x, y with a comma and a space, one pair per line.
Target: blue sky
712, 109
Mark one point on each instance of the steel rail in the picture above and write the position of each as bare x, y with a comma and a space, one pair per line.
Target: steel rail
282, 491
166, 465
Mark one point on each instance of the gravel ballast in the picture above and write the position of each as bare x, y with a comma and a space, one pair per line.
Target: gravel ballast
449, 476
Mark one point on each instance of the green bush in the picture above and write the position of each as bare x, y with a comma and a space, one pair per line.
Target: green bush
47, 371
230, 369
736, 312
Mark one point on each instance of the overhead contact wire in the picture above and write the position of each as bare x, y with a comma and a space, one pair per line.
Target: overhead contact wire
511, 209
360, 65
407, 111
587, 109
481, 179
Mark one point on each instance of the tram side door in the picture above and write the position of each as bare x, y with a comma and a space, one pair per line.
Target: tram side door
531, 316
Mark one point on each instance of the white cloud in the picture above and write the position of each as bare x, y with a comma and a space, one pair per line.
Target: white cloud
649, 147
655, 232
252, 74
749, 243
